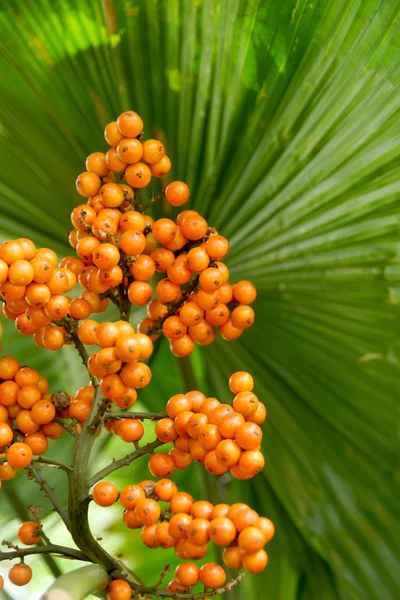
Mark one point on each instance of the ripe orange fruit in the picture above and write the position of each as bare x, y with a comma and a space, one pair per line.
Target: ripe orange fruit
118, 589
105, 493
20, 574
212, 575
177, 193
29, 533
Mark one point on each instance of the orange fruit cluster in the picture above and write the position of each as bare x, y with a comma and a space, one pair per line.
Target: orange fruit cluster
223, 437
33, 289
27, 415
118, 364
117, 245
189, 526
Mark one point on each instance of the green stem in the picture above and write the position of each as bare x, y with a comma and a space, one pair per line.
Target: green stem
125, 461
78, 584
49, 492
62, 551
78, 504
140, 416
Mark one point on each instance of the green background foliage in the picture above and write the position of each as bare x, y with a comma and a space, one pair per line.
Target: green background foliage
283, 119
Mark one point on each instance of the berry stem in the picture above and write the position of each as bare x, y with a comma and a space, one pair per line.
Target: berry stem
61, 551
79, 500
140, 416
51, 462
49, 492
163, 593
68, 427
125, 461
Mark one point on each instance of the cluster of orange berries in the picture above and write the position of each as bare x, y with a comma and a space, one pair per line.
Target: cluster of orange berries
118, 245
25, 403
118, 364
221, 436
33, 289
188, 526
136, 162
197, 286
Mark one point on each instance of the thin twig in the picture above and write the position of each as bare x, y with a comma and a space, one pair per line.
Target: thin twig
63, 551
49, 492
124, 462
67, 426
140, 416
51, 462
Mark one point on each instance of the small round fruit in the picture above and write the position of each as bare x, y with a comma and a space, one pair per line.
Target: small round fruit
20, 574
177, 193
118, 589
29, 533
105, 493
212, 575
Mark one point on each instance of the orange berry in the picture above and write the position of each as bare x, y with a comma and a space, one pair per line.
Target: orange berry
187, 574
113, 162
173, 328
164, 230
112, 195
248, 436
229, 332
163, 258
118, 589
212, 575
153, 151
87, 332
132, 219
129, 150
137, 375
29, 533
201, 509
130, 124
96, 163
20, 574
228, 452
255, 562
132, 242
167, 292
147, 511
244, 292
165, 540
165, 489
130, 495
161, 464
112, 134
139, 293
245, 403
149, 536
130, 430
182, 347
37, 442
112, 386
165, 430
138, 175
181, 459
181, 503
21, 272
232, 557
131, 520
6, 434
19, 455
242, 316
88, 184
143, 268
179, 524
11, 251
105, 493
241, 381
198, 259
177, 193
127, 348
213, 465
162, 167
266, 527
217, 247
251, 539
194, 227
251, 462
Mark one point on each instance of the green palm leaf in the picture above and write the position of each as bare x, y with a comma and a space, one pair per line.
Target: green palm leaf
283, 119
